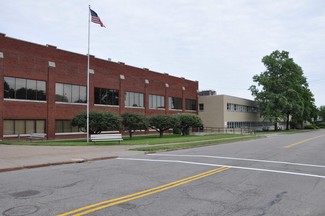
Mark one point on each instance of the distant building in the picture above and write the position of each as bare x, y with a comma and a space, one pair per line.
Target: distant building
42, 88
223, 111
207, 93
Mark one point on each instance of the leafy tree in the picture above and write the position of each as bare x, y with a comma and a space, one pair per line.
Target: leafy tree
161, 123
133, 122
283, 91
98, 121
321, 113
188, 120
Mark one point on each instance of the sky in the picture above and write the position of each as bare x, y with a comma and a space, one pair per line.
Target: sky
219, 43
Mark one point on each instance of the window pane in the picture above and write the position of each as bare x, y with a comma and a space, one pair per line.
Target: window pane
41, 90
109, 93
66, 126
67, 92
30, 126
141, 103
31, 89
8, 127
59, 92
83, 94
97, 95
115, 97
132, 101
20, 127
9, 87
40, 126
20, 88
58, 126
75, 94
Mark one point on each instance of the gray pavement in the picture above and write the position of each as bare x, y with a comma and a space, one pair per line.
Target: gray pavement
13, 157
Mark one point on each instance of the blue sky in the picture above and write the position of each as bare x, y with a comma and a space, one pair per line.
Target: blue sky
219, 43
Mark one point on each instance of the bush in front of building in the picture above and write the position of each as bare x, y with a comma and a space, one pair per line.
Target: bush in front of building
187, 121
134, 121
98, 121
161, 123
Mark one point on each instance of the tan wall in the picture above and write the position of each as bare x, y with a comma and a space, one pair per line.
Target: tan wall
215, 113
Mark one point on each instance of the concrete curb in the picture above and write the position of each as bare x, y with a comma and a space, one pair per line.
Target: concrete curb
72, 161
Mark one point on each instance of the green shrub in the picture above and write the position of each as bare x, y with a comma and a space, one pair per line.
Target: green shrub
310, 127
321, 125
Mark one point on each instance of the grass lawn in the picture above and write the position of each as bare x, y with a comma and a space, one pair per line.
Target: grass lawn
150, 140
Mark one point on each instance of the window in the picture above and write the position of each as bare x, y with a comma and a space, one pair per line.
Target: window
106, 96
11, 127
70, 93
190, 104
175, 103
156, 101
201, 107
24, 89
64, 126
133, 99
241, 108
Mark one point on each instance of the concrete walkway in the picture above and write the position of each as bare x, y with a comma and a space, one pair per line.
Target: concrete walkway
14, 157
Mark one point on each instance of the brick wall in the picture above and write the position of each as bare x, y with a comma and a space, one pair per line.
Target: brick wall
47, 63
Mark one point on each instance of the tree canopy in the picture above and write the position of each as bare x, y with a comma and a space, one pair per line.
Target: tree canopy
322, 113
98, 121
133, 122
188, 120
161, 123
282, 90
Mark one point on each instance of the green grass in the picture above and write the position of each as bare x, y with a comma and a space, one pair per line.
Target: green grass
137, 140
186, 145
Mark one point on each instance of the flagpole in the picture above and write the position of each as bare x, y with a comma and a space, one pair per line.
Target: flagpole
88, 76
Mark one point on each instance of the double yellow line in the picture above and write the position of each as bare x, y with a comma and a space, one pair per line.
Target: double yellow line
105, 204
303, 141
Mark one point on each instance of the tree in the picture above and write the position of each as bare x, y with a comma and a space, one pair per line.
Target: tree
161, 123
284, 90
133, 122
188, 120
98, 121
321, 113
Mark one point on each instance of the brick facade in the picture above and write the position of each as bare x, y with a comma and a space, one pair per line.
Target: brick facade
26, 60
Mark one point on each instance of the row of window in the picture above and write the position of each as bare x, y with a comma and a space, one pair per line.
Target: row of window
24, 89
23, 126
247, 124
17, 88
241, 108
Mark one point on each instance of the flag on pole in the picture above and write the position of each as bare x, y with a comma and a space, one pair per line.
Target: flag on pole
95, 18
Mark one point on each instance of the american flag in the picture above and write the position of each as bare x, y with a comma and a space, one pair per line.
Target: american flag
95, 18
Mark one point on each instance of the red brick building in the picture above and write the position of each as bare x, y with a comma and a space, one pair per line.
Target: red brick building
42, 88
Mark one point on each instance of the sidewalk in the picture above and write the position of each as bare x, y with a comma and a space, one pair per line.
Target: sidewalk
14, 157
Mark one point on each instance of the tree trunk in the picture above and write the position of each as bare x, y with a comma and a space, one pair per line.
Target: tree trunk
287, 126
161, 133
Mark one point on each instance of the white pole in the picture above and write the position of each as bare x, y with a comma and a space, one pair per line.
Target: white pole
88, 77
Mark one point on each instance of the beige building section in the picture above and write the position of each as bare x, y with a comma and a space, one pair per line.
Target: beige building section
223, 111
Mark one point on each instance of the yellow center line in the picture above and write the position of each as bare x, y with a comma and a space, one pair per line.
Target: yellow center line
303, 141
105, 204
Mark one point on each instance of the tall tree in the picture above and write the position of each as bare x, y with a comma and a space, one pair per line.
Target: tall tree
282, 90
133, 122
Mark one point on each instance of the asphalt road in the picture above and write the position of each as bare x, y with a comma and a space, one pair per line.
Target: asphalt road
278, 175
